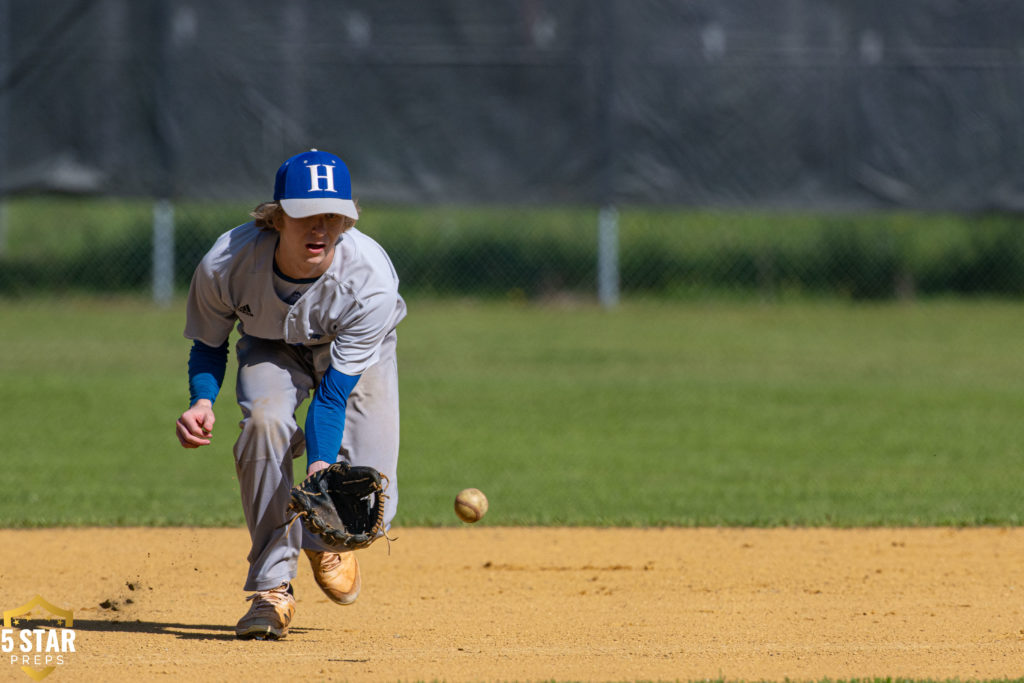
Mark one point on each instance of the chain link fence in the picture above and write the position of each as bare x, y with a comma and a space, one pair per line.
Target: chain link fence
65, 246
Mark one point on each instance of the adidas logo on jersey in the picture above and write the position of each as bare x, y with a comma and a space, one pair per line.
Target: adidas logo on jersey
246, 310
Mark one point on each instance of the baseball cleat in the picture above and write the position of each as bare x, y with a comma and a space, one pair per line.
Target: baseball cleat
269, 614
337, 574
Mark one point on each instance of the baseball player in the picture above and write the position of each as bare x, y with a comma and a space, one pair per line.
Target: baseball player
316, 304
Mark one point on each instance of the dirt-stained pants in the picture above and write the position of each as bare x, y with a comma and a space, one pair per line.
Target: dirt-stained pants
274, 379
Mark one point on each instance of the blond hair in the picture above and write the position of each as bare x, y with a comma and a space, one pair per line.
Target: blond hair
268, 216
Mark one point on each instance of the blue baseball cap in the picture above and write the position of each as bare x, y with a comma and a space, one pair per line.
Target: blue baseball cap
314, 182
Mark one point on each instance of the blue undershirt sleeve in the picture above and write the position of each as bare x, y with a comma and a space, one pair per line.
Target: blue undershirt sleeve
206, 367
325, 419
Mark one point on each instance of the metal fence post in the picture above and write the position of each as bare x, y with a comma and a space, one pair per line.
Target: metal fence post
608, 256
173, 24
163, 252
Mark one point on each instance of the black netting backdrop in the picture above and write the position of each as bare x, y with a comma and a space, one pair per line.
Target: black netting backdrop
800, 103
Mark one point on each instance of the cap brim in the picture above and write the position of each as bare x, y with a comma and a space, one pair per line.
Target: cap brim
302, 208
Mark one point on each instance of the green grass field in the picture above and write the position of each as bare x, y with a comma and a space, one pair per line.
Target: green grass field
724, 413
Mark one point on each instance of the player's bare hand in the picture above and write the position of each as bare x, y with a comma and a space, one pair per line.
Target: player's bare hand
195, 426
316, 467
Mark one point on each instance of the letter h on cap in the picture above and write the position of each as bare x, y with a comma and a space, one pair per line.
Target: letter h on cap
315, 177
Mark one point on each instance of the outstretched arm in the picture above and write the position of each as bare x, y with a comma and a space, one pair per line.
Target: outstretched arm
325, 419
206, 367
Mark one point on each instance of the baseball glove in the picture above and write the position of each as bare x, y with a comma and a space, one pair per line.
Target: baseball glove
342, 505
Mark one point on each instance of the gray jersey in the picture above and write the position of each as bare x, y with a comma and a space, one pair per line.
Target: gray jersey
352, 306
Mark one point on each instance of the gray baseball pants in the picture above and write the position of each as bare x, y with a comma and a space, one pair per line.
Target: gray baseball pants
274, 378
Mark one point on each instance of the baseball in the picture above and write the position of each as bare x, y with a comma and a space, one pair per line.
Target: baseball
470, 505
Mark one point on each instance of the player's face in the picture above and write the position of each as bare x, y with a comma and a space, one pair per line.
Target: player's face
306, 247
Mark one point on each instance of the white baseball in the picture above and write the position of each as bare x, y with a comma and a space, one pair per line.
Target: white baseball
470, 505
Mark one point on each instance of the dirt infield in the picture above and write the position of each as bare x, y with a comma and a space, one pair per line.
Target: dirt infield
484, 604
